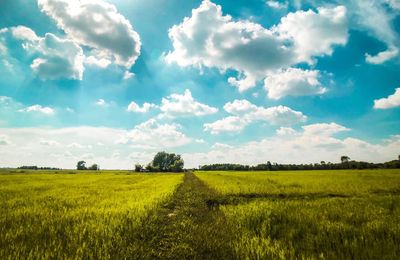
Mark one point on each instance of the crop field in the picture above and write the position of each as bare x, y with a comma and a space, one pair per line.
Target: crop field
202, 215
311, 214
87, 215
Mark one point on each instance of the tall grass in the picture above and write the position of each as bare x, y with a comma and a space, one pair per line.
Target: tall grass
326, 214
75, 215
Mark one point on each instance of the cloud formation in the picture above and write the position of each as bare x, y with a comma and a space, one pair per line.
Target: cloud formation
55, 57
210, 39
39, 109
98, 25
181, 105
156, 135
245, 113
134, 107
389, 102
293, 82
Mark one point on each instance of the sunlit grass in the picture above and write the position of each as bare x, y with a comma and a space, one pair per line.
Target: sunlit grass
311, 214
75, 215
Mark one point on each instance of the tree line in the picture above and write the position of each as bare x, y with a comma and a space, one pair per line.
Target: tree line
345, 163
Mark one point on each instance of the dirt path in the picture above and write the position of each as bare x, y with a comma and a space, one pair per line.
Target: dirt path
186, 227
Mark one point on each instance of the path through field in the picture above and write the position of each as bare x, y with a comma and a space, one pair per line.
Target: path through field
186, 227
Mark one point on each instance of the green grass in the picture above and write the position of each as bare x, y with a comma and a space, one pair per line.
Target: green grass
311, 214
46, 215
206, 215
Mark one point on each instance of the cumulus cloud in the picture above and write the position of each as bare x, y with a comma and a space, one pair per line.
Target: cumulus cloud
210, 39
177, 105
227, 124
157, 135
294, 82
277, 5
245, 113
97, 25
315, 33
24, 33
54, 57
59, 58
134, 107
389, 102
38, 109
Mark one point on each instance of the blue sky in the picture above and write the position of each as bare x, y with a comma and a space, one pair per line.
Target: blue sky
113, 82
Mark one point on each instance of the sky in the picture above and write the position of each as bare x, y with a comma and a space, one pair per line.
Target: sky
247, 81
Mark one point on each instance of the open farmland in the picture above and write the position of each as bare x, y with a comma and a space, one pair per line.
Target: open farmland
87, 215
207, 215
311, 214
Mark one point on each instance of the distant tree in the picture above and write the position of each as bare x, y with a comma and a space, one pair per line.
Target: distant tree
167, 162
94, 167
138, 167
81, 165
344, 159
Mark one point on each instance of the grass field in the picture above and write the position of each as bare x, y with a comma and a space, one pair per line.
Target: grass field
206, 215
46, 215
311, 214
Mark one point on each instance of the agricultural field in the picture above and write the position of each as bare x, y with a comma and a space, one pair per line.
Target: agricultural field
311, 214
86, 215
202, 215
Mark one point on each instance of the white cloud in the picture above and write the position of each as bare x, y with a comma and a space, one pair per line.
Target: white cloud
383, 56
4, 140
157, 135
177, 105
313, 144
24, 33
245, 113
58, 58
285, 131
278, 115
220, 146
101, 62
98, 25
134, 107
49, 142
79, 146
315, 33
293, 82
277, 5
323, 129
128, 75
200, 141
39, 109
210, 39
389, 102
227, 124
102, 103
374, 17
53, 57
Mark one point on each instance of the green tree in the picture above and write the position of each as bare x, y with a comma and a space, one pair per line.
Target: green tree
81, 165
166, 162
344, 159
94, 167
138, 167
